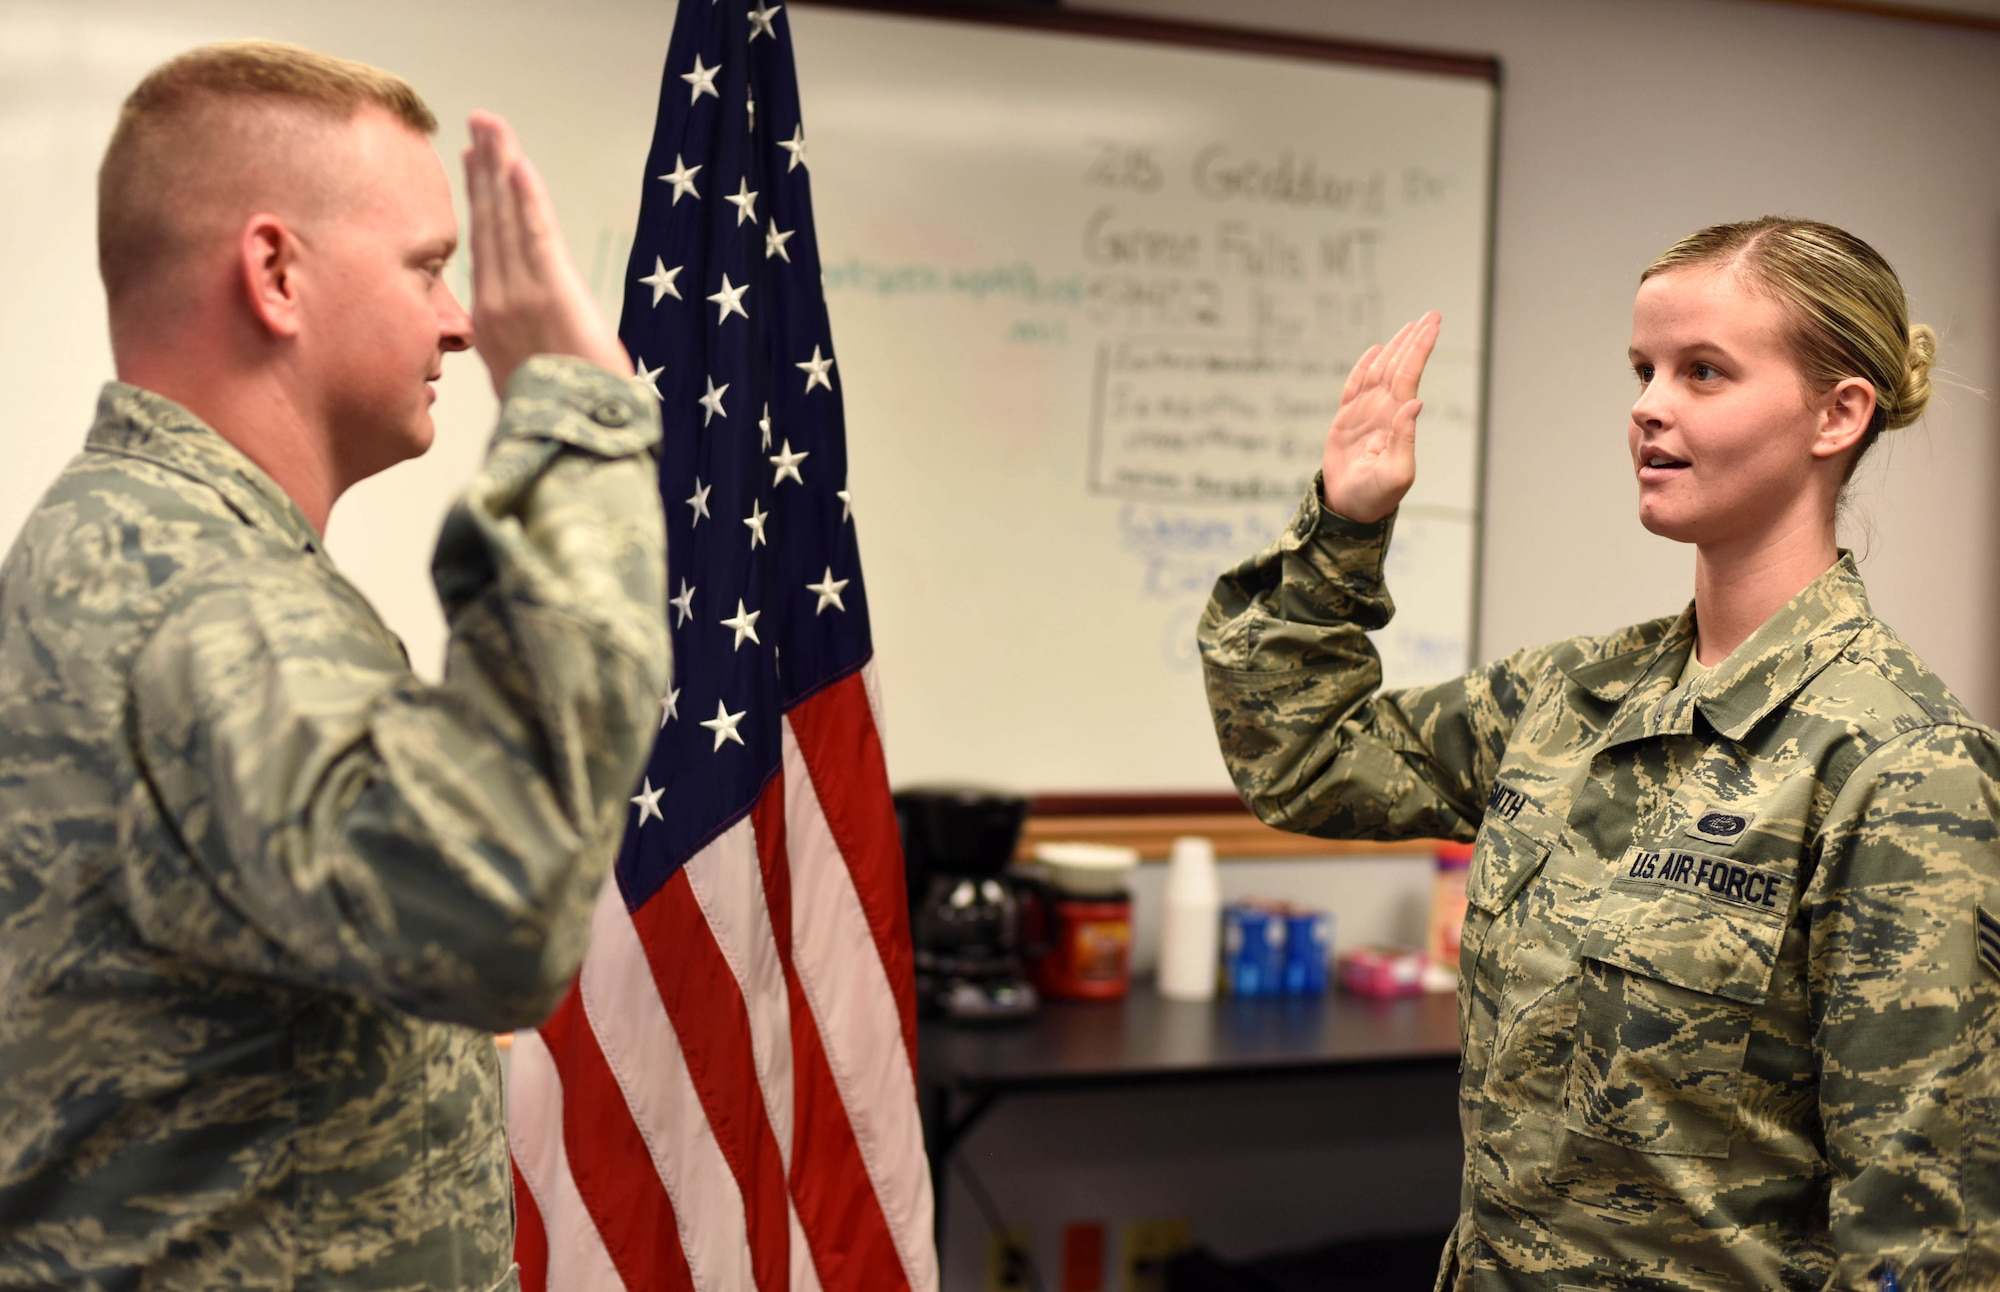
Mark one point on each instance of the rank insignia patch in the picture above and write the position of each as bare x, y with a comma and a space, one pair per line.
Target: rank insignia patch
1720, 824
1989, 941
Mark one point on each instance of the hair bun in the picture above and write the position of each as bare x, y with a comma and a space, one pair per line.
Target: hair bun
1915, 391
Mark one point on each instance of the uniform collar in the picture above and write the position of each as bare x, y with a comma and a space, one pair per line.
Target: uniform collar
137, 423
1614, 677
1765, 671
1787, 652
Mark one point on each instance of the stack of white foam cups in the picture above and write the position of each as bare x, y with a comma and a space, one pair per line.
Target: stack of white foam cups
1190, 933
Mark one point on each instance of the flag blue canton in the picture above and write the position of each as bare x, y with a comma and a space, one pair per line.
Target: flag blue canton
724, 314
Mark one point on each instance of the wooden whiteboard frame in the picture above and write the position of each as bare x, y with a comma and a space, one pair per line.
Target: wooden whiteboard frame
1150, 821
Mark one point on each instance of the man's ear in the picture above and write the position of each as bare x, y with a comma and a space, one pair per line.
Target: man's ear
268, 254
1844, 414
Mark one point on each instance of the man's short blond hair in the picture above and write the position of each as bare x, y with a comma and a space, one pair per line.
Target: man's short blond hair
199, 121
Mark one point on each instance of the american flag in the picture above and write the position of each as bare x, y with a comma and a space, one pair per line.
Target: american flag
727, 1099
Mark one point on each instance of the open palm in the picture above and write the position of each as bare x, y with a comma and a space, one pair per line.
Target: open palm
1370, 460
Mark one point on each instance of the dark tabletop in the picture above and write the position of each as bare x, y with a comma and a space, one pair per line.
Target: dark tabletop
1146, 1038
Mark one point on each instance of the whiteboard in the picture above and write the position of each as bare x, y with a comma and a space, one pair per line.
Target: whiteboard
1092, 299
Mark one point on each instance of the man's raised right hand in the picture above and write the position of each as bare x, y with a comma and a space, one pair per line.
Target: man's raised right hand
527, 296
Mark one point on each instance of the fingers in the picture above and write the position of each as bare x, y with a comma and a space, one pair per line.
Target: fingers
479, 197
1385, 357
1397, 363
491, 163
1415, 352
536, 211
1358, 374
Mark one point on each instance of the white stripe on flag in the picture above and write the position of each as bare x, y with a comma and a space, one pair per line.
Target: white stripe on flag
535, 1130
644, 1054
849, 993
805, 1276
728, 886
874, 690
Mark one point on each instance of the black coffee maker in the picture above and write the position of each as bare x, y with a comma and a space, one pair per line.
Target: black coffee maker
965, 914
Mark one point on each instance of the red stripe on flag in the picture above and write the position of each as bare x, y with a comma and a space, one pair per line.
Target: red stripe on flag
705, 1004
845, 1229
609, 1161
531, 1240
843, 752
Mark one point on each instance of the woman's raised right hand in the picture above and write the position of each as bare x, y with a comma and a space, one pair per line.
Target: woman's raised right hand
1370, 460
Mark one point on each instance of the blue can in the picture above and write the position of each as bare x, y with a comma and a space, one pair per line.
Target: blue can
1308, 944
1253, 950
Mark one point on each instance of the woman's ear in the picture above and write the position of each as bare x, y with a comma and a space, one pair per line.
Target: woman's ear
1844, 414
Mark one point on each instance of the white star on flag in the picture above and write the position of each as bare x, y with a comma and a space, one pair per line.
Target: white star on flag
774, 245
828, 589
661, 280
647, 375
796, 146
744, 199
730, 300
815, 370
702, 79
750, 106
682, 178
846, 497
764, 425
647, 800
755, 520
699, 502
760, 22
684, 603
712, 401
723, 724
744, 623
787, 463
670, 707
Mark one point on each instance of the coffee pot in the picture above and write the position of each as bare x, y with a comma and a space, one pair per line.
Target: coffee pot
965, 910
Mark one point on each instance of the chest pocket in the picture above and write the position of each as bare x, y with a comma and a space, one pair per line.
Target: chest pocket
1669, 984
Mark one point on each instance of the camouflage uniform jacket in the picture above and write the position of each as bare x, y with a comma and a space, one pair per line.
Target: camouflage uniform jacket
1724, 1014
264, 895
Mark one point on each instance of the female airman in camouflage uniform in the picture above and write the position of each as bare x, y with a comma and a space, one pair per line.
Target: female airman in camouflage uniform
1730, 978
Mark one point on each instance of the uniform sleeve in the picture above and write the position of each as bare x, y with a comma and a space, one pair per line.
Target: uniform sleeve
1906, 1013
435, 847
1293, 687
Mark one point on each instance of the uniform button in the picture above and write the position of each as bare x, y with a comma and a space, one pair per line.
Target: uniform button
611, 413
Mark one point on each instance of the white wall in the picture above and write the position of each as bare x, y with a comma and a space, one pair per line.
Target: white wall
1625, 125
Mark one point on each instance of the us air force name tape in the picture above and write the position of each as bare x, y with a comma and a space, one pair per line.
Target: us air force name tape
1713, 878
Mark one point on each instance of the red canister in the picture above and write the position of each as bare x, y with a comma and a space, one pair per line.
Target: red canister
1087, 922
1090, 951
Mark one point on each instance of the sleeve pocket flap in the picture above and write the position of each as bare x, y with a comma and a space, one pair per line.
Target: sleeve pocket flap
1504, 859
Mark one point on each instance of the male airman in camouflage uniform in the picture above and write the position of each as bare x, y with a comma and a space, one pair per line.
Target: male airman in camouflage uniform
1723, 957
264, 895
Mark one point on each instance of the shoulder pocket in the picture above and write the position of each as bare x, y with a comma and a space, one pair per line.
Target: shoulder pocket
1668, 985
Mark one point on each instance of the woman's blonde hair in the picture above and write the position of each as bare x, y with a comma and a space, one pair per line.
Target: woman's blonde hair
1845, 304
